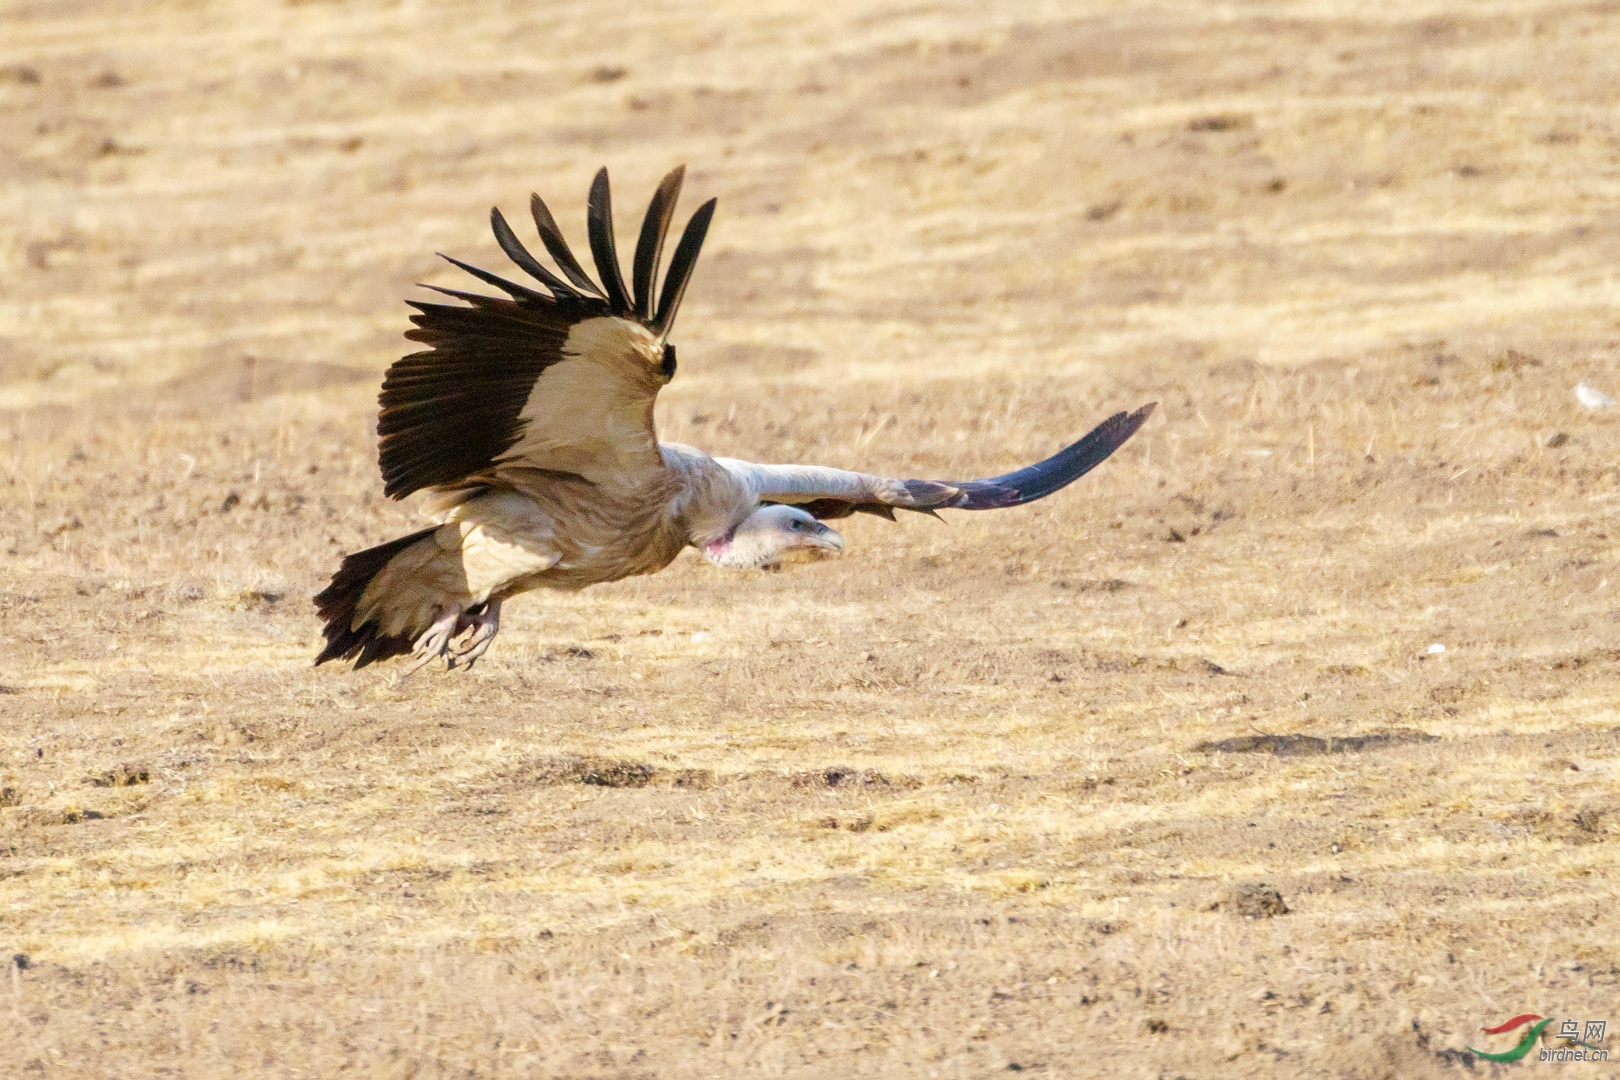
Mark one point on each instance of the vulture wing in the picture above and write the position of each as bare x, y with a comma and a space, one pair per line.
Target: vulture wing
834, 493
562, 379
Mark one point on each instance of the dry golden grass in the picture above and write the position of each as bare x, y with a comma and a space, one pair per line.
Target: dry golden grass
947, 806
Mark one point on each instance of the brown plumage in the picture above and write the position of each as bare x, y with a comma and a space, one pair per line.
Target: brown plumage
527, 422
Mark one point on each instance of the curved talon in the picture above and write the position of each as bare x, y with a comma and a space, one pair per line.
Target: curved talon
484, 622
435, 641
485, 625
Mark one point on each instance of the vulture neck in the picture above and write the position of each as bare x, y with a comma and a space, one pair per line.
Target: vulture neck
741, 552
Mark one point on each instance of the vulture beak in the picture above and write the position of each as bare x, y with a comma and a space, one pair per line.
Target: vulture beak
829, 540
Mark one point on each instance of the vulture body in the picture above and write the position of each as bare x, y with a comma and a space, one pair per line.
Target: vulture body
528, 423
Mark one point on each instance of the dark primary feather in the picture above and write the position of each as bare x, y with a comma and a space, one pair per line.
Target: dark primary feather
552, 237
519, 254
511, 288
650, 245
1058, 471
681, 265
599, 223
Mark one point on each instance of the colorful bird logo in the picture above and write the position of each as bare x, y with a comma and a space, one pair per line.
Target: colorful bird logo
1525, 1043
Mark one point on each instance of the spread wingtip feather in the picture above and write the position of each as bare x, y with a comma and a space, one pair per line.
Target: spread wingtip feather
650, 245
519, 254
599, 223
681, 265
552, 237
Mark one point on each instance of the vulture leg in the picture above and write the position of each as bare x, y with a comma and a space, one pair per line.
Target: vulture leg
485, 625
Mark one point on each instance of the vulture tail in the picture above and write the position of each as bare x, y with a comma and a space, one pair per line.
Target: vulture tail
336, 603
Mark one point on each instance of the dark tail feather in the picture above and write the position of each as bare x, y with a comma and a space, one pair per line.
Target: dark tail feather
336, 603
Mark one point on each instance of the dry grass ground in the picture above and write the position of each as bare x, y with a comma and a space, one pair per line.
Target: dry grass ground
985, 796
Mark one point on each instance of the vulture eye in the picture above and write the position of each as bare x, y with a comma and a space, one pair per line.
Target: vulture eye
668, 366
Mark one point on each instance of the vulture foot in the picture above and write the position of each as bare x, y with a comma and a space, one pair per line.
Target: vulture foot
435, 641
484, 621
485, 625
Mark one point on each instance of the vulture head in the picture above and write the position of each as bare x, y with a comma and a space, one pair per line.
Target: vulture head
772, 536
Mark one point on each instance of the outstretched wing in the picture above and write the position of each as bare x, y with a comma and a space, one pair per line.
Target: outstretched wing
835, 493
561, 380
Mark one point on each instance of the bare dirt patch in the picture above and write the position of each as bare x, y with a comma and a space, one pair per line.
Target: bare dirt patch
1296, 745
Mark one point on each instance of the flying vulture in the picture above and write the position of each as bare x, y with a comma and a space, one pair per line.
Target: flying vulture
528, 421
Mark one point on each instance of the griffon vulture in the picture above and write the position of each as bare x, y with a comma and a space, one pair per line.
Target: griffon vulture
528, 421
